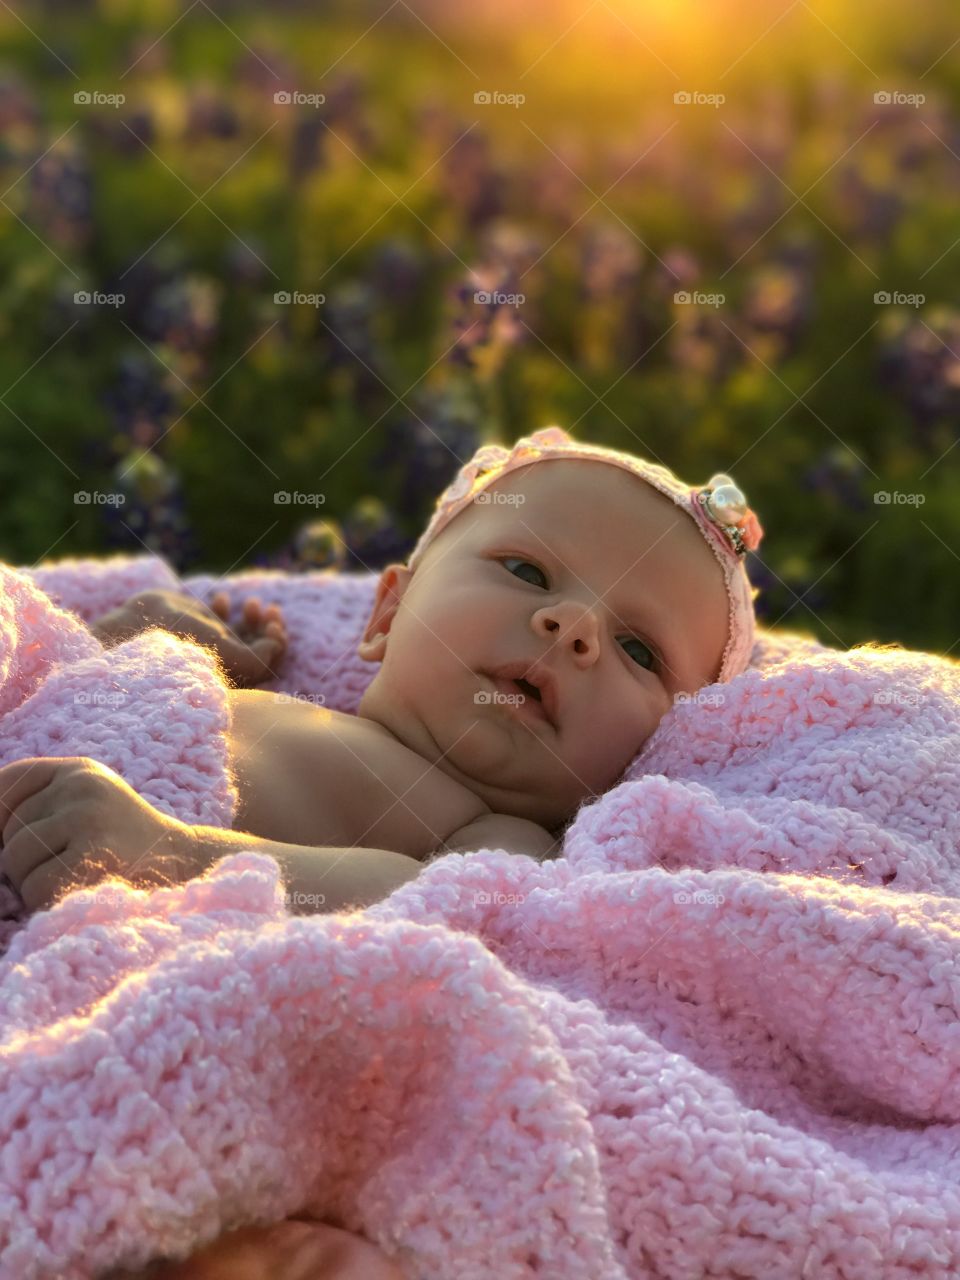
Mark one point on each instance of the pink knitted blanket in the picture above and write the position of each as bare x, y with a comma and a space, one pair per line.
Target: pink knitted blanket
718, 1037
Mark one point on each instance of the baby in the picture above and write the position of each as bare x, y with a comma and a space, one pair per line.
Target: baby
548, 618
560, 599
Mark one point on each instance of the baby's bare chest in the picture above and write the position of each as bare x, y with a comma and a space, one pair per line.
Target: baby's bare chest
307, 775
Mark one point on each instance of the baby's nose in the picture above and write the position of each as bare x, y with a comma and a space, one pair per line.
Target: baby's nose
569, 623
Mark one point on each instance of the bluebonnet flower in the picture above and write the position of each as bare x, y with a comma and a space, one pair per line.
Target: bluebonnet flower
678, 270
184, 313
610, 261
513, 249
348, 339
397, 270
141, 398
867, 211
60, 188
19, 110
838, 475
153, 513
787, 595
318, 544
701, 343
307, 145
777, 307
470, 183
209, 114
485, 321
244, 261
421, 455
372, 537
919, 359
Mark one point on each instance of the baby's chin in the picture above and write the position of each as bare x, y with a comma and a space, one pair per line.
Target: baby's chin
482, 753
490, 762
478, 754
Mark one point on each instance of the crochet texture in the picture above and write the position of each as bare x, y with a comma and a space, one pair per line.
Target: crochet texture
718, 1037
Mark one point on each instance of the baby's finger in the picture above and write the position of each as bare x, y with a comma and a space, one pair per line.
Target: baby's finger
31, 847
257, 660
28, 812
22, 779
47, 882
220, 604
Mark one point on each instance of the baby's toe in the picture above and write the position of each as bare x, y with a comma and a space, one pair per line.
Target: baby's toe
251, 612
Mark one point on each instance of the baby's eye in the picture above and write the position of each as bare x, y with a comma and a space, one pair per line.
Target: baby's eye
646, 648
517, 560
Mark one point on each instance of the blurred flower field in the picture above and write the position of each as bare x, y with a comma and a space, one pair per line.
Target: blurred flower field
269, 277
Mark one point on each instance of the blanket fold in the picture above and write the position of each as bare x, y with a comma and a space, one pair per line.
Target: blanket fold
718, 1037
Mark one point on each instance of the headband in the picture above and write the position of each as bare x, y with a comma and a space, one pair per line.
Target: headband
718, 509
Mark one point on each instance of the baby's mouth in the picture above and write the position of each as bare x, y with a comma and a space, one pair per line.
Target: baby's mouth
526, 687
534, 702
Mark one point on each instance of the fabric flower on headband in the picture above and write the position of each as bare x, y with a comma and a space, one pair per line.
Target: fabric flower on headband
484, 460
726, 507
492, 456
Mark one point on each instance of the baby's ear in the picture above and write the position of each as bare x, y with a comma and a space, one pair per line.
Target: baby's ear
393, 582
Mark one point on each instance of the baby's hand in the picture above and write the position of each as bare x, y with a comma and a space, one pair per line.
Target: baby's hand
70, 820
249, 652
262, 634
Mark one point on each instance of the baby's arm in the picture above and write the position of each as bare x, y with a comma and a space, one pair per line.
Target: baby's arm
294, 1249
503, 831
318, 879
249, 653
335, 878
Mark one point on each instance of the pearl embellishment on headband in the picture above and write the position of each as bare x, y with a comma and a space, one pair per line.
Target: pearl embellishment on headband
727, 507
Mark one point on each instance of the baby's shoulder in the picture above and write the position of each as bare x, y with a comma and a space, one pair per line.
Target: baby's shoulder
329, 763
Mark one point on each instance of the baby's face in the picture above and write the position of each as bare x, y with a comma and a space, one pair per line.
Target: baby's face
579, 567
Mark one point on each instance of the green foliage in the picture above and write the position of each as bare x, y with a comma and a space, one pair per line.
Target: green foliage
811, 394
